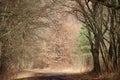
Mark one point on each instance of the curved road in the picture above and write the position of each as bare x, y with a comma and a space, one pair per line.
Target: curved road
49, 75
59, 75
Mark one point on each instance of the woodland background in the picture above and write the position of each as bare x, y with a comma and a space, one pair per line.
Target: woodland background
59, 34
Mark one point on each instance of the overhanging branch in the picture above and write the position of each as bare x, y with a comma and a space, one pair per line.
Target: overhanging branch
106, 3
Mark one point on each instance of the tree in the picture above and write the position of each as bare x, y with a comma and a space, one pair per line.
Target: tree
106, 3
24, 29
82, 41
102, 25
92, 19
18, 24
88, 14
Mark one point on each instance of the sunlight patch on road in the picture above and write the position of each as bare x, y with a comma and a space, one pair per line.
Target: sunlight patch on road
64, 70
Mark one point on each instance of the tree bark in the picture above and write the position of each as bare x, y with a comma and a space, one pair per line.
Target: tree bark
96, 63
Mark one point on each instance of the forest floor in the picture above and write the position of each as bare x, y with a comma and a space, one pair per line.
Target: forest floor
36, 75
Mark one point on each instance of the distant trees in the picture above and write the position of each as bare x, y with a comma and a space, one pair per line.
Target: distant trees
82, 41
61, 36
25, 24
28, 30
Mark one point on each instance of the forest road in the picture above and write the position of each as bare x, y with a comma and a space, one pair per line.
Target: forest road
49, 75
63, 75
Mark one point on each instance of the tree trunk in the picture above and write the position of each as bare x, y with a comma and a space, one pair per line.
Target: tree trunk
96, 63
95, 54
5, 59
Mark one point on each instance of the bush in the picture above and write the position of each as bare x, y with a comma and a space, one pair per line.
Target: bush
85, 48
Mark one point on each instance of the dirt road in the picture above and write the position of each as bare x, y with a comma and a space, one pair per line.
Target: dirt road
51, 76
44, 75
